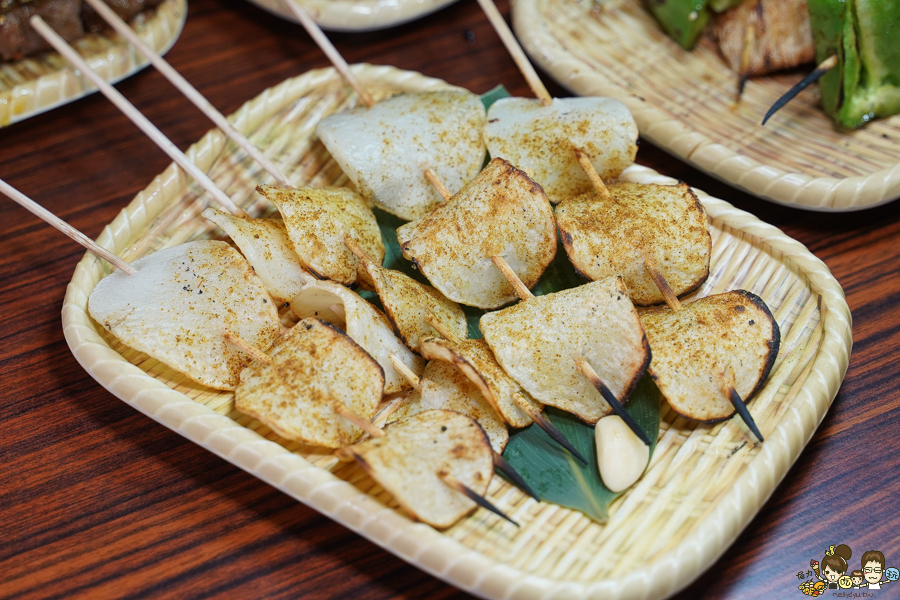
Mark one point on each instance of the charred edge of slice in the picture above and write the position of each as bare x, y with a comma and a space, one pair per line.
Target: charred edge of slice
774, 344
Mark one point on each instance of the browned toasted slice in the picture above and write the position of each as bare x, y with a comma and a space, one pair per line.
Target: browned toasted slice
415, 453
314, 366
180, 303
538, 340
363, 322
604, 238
476, 361
266, 246
694, 347
781, 37
443, 386
407, 302
500, 212
317, 219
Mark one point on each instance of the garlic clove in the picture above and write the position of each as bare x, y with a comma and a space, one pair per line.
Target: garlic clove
621, 455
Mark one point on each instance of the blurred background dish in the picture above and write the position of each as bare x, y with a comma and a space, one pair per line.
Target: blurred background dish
357, 15
685, 102
41, 82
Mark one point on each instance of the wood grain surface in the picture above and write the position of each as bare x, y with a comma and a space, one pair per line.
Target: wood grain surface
99, 501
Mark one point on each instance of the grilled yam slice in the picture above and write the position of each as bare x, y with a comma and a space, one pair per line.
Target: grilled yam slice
443, 386
364, 323
476, 361
317, 219
266, 246
413, 454
544, 138
179, 304
500, 212
663, 222
782, 35
537, 341
313, 366
407, 302
385, 150
693, 348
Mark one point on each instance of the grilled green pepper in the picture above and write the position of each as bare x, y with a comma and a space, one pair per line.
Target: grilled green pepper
684, 20
865, 36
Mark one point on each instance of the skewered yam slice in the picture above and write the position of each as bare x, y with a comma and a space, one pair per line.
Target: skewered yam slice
537, 341
364, 323
443, 386
317, 220
500, 212
179, 304
385, 150
732, 335
407, 302
544, 139
413, 455
663, 222
266, 246
312, 367
476, 361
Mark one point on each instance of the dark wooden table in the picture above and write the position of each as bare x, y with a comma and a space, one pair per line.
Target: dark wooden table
97, 500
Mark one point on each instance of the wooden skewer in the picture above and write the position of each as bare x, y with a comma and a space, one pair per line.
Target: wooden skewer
134, 115
248, 348
549, 428
319, 37
521, 289
589, 170
611, 399
356, 249
48, 217
510, 472
739, 405
659, 279
405, 371
433, 178
516, 52
393, 406
825, 66
340, 409
188, 90
442, 329
746, 53
455, 484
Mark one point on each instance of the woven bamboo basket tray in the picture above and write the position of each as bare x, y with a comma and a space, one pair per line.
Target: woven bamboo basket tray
702, 488
684, 102
40, 83
357, 15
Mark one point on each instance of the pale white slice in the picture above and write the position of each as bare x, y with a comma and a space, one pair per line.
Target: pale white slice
538, 340
501, 212
266, 246
731, 334
544, 138
385, 150
407, 302
317, 219
413, 453
364, 323
475, 360
443, 386
664, 222
313, 366
179, 304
